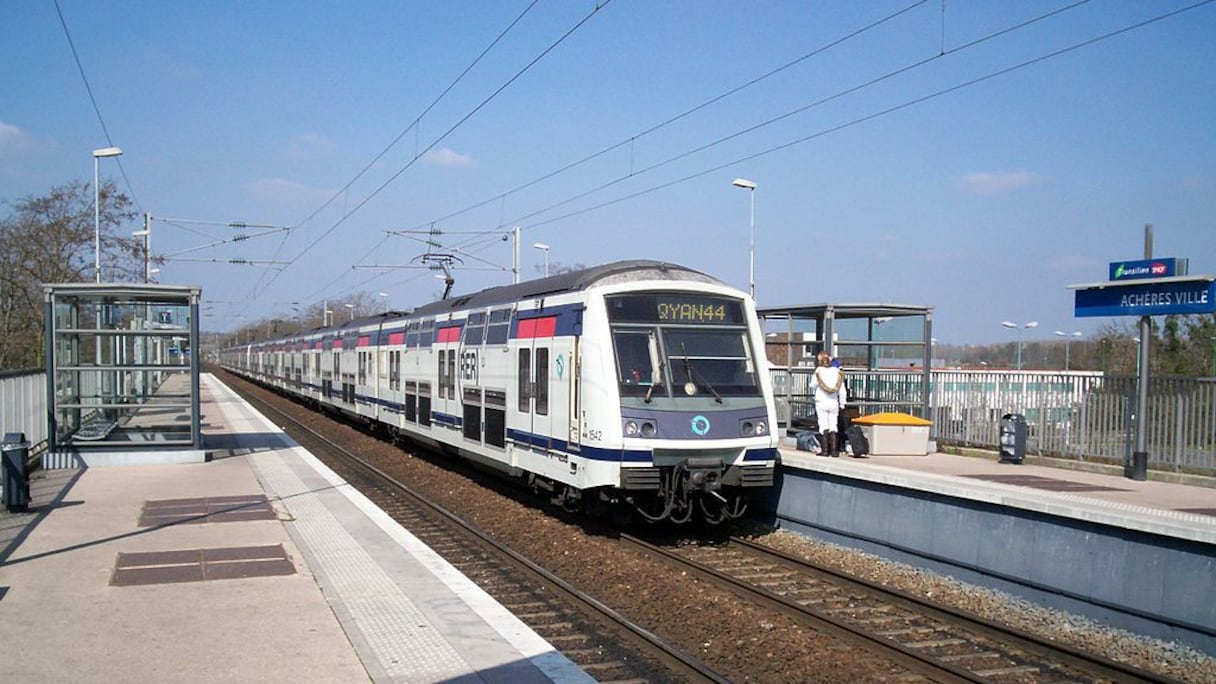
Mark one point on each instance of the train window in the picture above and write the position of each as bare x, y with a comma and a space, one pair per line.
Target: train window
524, 378
710, 361
426, 334
443, 374
499, 329
474, 330
636, 371
542, 382
452, 375
411, 335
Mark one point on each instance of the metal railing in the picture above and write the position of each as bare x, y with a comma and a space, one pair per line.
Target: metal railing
23, 404
1080, 415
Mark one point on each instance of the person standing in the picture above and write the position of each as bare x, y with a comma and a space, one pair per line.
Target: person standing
830, 397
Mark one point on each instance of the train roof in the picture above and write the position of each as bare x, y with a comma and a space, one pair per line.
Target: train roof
570, 281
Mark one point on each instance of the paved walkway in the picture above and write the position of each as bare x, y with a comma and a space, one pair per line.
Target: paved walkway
259, 565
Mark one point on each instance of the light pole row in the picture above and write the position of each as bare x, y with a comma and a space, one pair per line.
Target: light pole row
1015, 326
750, 186
1067, 340
97, 155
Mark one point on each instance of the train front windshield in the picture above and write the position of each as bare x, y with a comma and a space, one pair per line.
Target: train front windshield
681, 345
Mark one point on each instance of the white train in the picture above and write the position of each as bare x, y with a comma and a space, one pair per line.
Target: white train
635, 386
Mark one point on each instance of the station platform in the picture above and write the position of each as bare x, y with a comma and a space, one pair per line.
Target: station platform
258, 565
1181, 506
1136, 555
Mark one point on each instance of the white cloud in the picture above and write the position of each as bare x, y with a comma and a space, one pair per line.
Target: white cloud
13, 139
283, 190
309, 146
447, 157
991, 183
1196, 183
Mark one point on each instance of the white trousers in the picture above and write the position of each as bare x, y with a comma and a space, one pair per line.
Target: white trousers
828, 414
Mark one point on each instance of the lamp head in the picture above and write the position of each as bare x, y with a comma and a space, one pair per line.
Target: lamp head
743, 183
107, 152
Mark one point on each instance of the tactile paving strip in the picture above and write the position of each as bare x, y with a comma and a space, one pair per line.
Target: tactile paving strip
1048, 483
212, 509
199, 565
404, 642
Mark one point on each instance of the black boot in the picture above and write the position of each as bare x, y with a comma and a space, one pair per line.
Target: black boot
833, 445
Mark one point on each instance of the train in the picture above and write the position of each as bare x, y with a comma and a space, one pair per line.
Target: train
636, 389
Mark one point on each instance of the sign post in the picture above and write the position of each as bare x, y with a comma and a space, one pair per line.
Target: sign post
1145, 288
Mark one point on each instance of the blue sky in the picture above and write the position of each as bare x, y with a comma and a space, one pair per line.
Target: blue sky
959, 155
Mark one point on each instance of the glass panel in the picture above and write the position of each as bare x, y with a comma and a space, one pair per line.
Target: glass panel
524, 379
634, 361
542, 382
443, 374
710, 361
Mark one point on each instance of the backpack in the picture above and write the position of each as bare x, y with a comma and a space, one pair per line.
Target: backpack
807, 441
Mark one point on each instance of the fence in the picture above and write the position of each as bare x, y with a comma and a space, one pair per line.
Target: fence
23, 405
1080, 415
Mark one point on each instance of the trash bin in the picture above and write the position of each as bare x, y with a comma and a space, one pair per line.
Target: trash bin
1013, 438
16, 484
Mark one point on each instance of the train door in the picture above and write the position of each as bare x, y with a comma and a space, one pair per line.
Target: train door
574, 415
535, 363
447, 404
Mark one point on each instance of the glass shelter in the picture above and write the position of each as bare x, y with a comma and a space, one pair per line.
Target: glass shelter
122, 375
886, 351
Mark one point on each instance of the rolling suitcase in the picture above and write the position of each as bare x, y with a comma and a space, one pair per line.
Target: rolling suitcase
858, 443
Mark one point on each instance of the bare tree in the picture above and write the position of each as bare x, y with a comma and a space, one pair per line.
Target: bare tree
50, 239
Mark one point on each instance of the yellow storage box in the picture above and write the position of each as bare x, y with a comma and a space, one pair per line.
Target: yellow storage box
895, 434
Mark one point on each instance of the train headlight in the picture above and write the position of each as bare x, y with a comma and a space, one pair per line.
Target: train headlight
632, 429
753, 428
648, 429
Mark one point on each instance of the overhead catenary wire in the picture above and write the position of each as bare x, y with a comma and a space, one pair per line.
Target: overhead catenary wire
634, 173
684, 114
413, 125
96, 108
869, 117
883, 112
595, 10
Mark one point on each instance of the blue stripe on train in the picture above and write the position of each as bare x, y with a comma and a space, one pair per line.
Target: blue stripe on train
545, 442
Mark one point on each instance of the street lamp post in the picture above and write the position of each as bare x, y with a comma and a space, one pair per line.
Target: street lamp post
751, 233
352, 310
146, 234
97, 155
1067, 339
544, 248
1011, 324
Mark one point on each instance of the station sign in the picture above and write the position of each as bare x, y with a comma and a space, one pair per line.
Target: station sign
1150, 297
1140, 269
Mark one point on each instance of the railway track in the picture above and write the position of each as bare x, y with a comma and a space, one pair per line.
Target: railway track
605, 644
934, 640
923, 641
